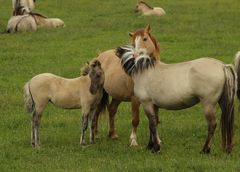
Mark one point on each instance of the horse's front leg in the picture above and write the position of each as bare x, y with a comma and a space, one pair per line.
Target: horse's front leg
112, 109
135, 120
93, 123
150, 111
84, 128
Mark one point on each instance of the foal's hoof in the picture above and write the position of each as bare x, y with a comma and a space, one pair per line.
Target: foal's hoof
92, 142
83, 143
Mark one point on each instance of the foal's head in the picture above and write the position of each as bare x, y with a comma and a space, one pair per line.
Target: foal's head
141, 5
143, 39
96, 75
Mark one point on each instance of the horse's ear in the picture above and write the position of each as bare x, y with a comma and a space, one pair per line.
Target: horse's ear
148, 28
131, 34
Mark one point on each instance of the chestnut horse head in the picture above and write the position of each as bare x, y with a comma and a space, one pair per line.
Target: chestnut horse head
143, 39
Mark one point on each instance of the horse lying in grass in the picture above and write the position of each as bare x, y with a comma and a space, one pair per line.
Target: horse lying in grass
147, 10
25, 20
84, 92
120, 86
182, 85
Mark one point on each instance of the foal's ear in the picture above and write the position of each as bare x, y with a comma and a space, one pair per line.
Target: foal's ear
148, 28
131, 34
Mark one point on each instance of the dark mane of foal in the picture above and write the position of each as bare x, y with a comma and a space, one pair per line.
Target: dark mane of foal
146, 4
132, 66
37, 14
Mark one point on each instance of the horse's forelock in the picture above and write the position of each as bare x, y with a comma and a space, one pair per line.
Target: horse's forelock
141, 33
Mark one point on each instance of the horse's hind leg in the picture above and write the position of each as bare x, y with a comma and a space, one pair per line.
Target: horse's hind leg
112, 109
36, 118
84, 128
135, 120
209, 111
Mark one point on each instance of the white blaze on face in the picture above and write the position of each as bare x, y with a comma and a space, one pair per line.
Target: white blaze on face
137, 43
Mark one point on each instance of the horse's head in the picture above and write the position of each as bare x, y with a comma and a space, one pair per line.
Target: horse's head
141, 5
96, 74
143, 39
21, 10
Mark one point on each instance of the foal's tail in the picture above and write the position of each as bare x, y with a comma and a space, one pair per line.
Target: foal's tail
237, 69
28, 99
227, 106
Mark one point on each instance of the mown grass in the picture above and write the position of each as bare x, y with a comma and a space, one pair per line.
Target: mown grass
191, 29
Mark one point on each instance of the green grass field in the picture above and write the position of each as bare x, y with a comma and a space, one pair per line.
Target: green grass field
191, 29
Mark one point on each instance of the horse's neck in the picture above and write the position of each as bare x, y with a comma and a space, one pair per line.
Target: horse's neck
40, 21
145, 8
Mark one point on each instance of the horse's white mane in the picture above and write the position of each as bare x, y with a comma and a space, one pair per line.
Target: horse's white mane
132, 65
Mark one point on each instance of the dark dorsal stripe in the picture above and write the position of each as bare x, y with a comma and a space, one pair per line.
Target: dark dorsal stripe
146, 4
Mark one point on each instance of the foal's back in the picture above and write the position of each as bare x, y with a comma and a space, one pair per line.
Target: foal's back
60, 91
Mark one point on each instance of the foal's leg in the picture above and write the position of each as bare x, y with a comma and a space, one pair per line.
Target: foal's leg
135, 120
112, 109
209, 111
36, 118
150, 112
93, 126
84, 127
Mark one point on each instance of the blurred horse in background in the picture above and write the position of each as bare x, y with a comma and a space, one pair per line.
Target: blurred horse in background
25, 20
147, 10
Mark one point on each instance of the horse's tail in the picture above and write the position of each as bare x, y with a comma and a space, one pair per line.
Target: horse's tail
237, 69
28, 99
227, 106
102, 106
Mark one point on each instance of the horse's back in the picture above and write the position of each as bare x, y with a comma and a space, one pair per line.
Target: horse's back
207, 78
63, 92
21, 24
159, 11
117, 83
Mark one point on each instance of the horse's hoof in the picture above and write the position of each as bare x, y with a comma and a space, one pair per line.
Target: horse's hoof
83, 143
150, 146
113, 136
156, 148
134, 143
206, 150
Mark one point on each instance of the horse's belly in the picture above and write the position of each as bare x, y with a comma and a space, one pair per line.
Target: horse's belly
175, 104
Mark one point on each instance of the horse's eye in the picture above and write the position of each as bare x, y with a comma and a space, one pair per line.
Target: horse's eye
144, 39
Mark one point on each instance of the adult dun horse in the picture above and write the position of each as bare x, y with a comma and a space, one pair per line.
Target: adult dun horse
120, 86
23, 21
85, 92
182, 85
147, 10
